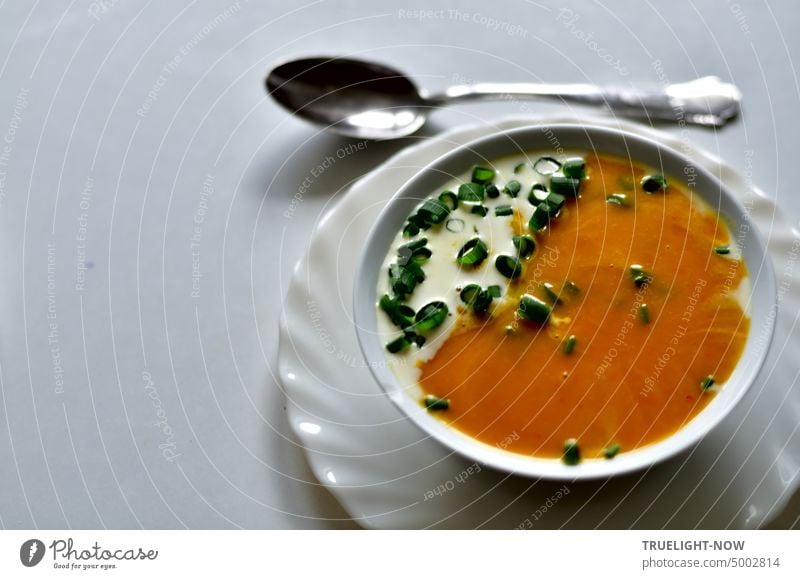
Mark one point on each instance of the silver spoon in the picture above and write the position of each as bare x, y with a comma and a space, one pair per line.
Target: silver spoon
372, 101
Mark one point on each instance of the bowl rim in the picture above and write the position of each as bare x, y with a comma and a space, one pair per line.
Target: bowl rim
365, 299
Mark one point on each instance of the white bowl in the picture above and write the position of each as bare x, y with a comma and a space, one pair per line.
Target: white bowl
569, 137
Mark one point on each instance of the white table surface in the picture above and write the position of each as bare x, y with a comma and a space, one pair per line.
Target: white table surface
151, 212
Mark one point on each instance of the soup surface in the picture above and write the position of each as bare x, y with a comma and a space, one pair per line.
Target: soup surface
611, 332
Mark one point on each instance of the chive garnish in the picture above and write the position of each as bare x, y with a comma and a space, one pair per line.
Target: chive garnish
540, 218
401, 315
492, 192
512, 188
564, 185
537, 194
435, 403
404, 278
654, 183
644, 313
618, 199
639, 276
469, 293
707, 382
550, 292
410, 230
455, 225
571, 453
471, 193
722, 249
525, 245
503, 211
569, 344
482, 175
433, 211
449, 198
574, 167
518, 167
398, 345
479, 210
494, 290
546, 166
473, 252
612, 450
571, 287
430, 316
508, 266
479, 300
533, 309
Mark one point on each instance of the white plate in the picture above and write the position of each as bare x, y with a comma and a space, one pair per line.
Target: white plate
388, 474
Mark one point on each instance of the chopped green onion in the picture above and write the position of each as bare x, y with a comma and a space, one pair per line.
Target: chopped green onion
422, 255
479, 210
401, 315
471, 193
518, 167
618, 199
492, 192
525, 245
494, 290
404, 278
564, 185
470, 293
569, 344
574, 167
707, 382
571, 453
612, 450
546, 166
410, 230
572, 288
540, 218
555, 202
644, 313
435, 403
639, 276
430, 316
455, 225
722, 249
419, 340
508, 266
550, 292
449, 198
433, 211
473, 252
654, 183
503, 210
537, 194
398, 345
482, 175
512, 188
533, 309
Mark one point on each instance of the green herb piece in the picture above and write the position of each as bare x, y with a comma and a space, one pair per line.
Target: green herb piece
550, 292
479, 210
644, 313
654, 183
574, 167
571, 454
473, 253
639, 276
471, 193
482, 175
398, 345
508, 266
410, 230
612, 450
433, 211
525, 245
400, 314
518, 167
572, 288
470, 293
449, 199
537, 194
563, 185
555, 202
618, 199
503, 210
430, 316
455, 225
492, 192
569, 344
435, 403
722, 249
494, 290
419, 340
707, 382
512, 188
533, 309
546, 166
404, 278
540, 218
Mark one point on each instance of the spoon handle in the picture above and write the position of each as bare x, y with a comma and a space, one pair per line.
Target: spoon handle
706, 101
